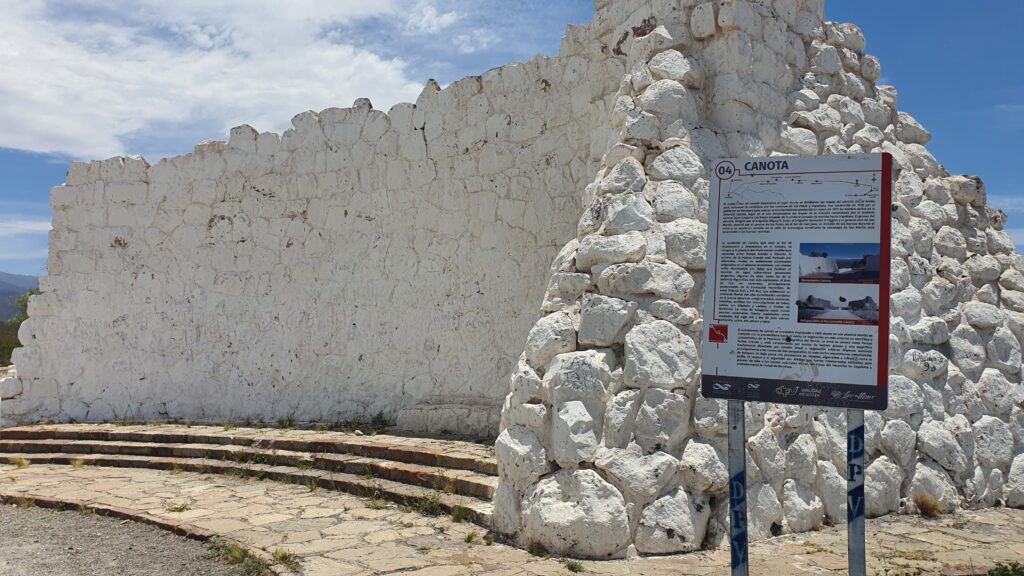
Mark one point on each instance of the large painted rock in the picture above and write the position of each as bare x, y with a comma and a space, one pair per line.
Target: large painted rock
575, 512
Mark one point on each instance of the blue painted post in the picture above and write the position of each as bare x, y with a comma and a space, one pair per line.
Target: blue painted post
738, 488
855, 491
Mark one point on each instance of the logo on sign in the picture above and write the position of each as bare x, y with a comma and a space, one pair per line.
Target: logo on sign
718, 333
785, 391
725, 170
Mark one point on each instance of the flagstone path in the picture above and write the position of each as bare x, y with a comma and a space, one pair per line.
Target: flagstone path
335, 533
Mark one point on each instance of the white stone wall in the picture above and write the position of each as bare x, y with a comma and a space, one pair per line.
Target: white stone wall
607, 448
368, 262
361, 262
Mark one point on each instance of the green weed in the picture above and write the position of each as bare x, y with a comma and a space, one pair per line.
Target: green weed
235, 555
574, 566
287, 559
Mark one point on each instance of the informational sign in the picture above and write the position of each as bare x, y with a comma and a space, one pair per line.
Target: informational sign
796, 306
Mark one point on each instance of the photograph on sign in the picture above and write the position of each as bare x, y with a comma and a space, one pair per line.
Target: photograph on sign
840, 262
837, 303
796, 296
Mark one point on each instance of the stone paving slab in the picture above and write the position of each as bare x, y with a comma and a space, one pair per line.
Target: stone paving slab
471, 508
337, 533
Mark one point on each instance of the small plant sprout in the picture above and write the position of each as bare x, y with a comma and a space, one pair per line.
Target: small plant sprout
180, 507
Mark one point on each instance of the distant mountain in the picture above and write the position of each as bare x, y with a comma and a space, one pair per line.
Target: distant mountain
11, 287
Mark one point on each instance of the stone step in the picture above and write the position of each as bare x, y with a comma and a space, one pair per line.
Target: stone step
439, 453
453, 481
426, 500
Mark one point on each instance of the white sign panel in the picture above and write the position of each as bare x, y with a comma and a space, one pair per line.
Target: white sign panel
796, 308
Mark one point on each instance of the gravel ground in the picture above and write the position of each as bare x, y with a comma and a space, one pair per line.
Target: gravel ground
41, 542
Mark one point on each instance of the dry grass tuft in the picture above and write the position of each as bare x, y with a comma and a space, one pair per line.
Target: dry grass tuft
460, 515
927, 505
233, 554
287, 559
574, 566
178, 507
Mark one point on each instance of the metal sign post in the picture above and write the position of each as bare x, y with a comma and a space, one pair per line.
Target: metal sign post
796, 304
855, 491
738, 488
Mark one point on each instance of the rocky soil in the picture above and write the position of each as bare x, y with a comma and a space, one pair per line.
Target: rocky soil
40, 542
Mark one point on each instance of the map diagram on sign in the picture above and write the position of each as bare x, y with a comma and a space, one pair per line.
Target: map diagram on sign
745, 187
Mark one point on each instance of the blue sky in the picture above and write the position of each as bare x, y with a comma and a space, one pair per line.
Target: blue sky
154, 78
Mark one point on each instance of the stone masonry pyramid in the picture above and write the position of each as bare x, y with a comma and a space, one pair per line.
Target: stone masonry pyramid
608, 449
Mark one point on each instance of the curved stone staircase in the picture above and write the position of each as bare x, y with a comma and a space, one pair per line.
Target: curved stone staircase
432, 475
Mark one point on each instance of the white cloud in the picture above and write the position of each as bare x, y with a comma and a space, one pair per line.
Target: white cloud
425, 19
23, 243
1018, 237
10, 208
91, 82
475, 41
1013, 111
14, 253
17, 227
1006, 203
1008, 116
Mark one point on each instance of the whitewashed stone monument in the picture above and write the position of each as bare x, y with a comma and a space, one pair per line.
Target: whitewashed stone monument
608, 449
368, 262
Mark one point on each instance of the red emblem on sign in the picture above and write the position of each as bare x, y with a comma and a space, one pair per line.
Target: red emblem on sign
719, 333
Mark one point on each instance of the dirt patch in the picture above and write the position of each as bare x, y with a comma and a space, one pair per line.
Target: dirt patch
36, 541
